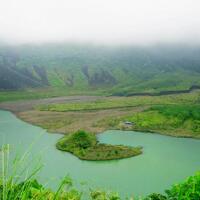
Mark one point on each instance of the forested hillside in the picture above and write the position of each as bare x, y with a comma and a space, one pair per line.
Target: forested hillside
117, 70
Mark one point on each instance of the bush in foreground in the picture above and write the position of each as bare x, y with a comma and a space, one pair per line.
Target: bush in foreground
24, 186
32, 190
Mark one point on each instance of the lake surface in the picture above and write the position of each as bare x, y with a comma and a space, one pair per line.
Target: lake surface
165, 161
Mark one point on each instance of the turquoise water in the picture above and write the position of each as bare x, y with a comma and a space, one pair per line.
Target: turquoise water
165, 161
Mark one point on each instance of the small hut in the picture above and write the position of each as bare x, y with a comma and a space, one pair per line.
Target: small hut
128, 123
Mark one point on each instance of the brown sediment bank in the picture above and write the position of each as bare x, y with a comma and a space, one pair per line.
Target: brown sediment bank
94, 120
65, 122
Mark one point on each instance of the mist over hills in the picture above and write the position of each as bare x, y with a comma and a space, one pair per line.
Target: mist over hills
119, 69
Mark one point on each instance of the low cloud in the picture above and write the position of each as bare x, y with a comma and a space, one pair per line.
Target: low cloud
100, 21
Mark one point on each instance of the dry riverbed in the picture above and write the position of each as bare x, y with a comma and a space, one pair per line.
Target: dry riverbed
65, 122
97, 114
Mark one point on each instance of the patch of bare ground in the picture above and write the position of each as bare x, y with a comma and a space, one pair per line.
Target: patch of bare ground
66, 122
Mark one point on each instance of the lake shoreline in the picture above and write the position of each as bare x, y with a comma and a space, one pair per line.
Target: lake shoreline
110, 114
159, 132
132, 170
164, 133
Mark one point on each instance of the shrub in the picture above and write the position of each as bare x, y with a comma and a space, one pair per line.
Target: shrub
188, 190
156, 196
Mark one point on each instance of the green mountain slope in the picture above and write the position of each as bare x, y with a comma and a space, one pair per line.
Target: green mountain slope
123, 69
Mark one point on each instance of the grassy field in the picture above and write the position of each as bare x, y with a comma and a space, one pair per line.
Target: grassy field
46, 92
176, 115
175, 120
85, 146
123, 102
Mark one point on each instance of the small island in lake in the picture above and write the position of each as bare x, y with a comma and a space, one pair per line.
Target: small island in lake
85, 146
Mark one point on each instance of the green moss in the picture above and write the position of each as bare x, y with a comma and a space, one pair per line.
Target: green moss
85, 146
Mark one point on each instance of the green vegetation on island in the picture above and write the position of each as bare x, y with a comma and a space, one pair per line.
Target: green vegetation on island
85, 146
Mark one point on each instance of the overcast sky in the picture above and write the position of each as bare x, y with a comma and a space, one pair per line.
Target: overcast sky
100, 21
